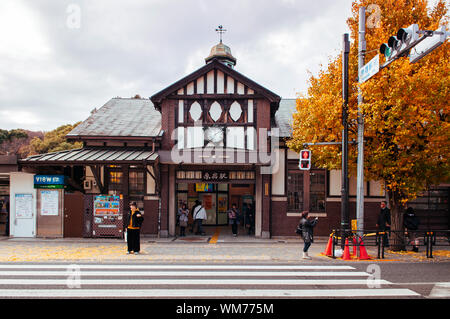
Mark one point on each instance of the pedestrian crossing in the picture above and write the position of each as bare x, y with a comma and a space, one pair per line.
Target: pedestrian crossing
190, 281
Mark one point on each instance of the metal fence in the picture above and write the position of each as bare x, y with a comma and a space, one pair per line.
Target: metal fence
382, 239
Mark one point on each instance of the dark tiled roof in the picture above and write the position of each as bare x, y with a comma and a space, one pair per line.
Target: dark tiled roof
138, 118
122, 117
283, 117
94, 155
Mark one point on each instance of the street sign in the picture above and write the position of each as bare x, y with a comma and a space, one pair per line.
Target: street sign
49, 181
428, 45
370, 69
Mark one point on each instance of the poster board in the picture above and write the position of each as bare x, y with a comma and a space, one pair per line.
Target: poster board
204, 187
49, 203
23, 206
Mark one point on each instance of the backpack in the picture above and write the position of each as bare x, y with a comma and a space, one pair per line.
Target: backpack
299, 230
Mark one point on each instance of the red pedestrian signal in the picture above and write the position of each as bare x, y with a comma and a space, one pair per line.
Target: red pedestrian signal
305, 160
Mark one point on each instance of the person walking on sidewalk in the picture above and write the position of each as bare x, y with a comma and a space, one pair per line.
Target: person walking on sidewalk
133, 221
234, 219
199, 214
307, 226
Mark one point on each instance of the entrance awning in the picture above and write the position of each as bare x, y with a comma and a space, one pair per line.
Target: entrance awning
94, 156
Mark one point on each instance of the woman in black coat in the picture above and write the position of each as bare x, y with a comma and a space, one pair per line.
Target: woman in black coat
411, 223
307, 226
133, 222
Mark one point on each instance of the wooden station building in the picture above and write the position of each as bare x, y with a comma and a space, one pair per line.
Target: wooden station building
215, 136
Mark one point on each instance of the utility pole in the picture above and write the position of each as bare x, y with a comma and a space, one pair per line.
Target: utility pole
344, 192
360, 163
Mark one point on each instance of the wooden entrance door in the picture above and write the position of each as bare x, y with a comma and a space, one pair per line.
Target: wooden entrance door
73, 214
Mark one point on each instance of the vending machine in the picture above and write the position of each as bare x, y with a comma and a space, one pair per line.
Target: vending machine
107, 216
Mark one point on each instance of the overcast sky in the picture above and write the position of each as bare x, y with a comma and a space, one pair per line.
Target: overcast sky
61, 59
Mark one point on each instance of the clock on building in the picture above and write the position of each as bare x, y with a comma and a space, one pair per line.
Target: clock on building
215, 135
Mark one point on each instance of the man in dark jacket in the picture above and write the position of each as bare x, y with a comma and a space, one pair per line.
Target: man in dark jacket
384, 222
250, 218
411, 223
133, 222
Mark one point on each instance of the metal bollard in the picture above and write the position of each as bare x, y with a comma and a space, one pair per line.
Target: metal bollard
431, 241
333, 240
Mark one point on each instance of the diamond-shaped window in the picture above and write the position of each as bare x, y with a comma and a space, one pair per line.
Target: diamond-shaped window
235, 111
215, 111
195, 111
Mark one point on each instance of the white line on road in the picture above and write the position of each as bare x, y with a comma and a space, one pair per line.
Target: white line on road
190, 267
189, 273
204, 293
440, 290
177, 282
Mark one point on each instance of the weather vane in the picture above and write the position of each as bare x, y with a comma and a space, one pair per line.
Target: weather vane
220, 30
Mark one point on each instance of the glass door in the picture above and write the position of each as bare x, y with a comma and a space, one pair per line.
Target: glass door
222, 208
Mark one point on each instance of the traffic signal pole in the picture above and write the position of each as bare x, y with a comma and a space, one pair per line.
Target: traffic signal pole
360, 161
345, 222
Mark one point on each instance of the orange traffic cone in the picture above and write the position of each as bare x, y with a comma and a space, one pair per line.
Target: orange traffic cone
362, 251
328, 249
346, 255
354, 246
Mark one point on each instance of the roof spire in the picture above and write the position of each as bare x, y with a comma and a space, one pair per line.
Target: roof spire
220, 30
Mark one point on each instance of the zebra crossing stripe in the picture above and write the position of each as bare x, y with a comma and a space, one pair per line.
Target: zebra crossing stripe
186, 266
201, 293
190, 273
178, 282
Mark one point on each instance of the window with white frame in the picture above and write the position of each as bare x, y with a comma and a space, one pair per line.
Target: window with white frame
216, 133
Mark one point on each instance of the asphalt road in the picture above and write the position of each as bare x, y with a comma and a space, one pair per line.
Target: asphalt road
246, 280
419, 277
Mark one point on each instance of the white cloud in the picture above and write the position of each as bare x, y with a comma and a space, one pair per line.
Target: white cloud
21, 33
17, 118
53, 74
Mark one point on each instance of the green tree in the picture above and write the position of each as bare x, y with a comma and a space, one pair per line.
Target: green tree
7, 136
54, 141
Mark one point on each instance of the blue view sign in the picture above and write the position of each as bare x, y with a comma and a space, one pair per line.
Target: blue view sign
370, 69
49, 181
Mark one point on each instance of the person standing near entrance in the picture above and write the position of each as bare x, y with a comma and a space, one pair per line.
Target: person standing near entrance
133, 221
199, 214
234, 219
307, 226
250, 219
384, 222
183, 217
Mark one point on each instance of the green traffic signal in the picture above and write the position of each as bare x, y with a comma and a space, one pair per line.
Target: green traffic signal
385, 50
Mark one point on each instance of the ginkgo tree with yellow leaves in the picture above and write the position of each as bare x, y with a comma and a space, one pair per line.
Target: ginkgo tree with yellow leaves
406, 108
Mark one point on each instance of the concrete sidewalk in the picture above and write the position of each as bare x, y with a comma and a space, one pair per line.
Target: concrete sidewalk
214, 247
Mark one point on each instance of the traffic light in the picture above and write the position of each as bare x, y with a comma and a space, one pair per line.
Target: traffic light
400, 44
305, 160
